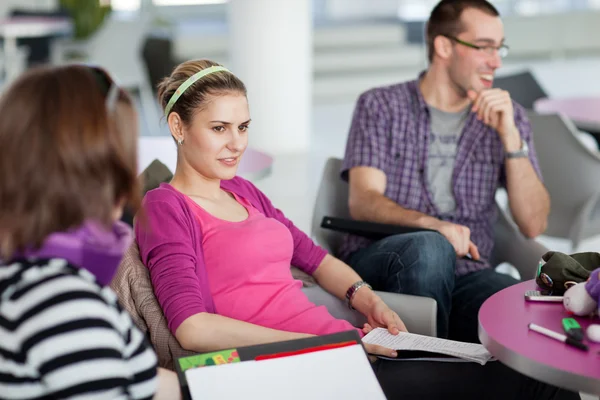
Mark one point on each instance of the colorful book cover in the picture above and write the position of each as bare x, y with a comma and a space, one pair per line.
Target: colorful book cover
205, 360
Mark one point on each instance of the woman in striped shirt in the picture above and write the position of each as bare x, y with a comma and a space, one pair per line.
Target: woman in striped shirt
68, 166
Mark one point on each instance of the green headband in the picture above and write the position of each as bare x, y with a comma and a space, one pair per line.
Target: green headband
189, 82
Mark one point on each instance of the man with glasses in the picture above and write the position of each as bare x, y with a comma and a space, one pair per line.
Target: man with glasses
430, 154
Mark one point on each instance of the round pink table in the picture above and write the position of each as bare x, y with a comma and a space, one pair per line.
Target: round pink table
503, 320
583, 111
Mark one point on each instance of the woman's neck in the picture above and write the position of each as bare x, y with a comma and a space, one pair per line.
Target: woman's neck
192, 183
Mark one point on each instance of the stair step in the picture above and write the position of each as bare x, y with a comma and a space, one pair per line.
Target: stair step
212, 38
379, 58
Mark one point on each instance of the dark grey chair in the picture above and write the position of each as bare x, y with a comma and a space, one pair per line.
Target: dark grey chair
523, 88
570, 170
510, 245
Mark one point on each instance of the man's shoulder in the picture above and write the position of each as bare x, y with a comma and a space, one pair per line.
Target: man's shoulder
395, 94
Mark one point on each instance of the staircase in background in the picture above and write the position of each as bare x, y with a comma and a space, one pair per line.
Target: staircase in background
351, 57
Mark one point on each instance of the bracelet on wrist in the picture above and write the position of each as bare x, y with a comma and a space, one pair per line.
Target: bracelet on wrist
351, 292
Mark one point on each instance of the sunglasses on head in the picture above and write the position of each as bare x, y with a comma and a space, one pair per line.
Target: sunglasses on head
110, 89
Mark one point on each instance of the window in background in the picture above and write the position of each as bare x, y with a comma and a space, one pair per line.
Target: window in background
125, 5
186, 2
133, 5
413, 10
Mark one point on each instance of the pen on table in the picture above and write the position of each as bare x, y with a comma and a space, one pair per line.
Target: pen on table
557, 336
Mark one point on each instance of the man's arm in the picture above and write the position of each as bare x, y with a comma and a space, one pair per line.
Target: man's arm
528, 199
367, 202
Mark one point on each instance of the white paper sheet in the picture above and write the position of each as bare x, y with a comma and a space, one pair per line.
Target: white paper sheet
342, 373
410, 341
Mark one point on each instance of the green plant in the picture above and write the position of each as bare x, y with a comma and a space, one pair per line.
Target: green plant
87, 15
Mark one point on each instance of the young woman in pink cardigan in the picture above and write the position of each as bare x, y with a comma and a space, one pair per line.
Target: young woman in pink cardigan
219, 253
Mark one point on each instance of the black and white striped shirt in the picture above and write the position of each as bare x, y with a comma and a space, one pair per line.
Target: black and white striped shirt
64, 336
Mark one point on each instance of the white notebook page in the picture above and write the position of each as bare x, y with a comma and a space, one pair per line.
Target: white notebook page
342, 373
411, 341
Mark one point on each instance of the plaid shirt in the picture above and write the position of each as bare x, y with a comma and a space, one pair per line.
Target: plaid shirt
390, 131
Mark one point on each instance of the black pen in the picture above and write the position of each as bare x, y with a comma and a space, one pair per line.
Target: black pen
558, 336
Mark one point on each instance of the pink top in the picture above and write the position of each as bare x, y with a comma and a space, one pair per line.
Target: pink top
248, 266
171, 247
503, 321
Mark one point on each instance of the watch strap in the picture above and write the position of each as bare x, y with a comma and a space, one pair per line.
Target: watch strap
521, 153
351, 292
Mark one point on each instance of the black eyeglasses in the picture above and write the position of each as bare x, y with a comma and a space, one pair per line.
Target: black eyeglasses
110, 89
489, 50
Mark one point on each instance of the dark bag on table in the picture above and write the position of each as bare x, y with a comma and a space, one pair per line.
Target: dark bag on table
558, 271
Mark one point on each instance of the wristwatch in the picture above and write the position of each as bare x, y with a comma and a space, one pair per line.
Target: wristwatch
522, 152
352, 292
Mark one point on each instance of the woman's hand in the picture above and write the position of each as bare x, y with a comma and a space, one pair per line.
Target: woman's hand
379, 315
375, 349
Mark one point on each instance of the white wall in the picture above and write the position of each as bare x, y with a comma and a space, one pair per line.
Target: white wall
42, 5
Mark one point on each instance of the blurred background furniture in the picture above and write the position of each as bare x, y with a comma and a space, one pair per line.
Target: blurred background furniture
510, 246
570, 171
27, 27
583, 111
117, 47
39, 46
253, 166
158, 56
523, 88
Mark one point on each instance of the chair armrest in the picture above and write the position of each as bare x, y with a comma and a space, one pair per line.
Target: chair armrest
418, 313
371, 230
511, 246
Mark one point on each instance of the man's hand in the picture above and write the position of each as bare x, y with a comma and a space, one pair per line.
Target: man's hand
460, 238
494, 108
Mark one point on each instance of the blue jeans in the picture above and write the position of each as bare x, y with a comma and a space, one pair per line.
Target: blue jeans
422, 264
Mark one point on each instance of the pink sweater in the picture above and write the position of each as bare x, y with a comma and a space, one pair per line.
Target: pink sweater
248, 266
171, 246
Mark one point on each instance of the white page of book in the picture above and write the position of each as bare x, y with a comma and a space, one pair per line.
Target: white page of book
342, 373
411, 341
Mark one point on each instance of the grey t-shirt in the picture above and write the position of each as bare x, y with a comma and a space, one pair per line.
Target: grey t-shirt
446, 129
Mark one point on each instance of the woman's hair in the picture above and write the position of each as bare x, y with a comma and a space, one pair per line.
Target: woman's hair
65, 157
196, 96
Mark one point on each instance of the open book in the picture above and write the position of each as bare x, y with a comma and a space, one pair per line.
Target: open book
413, 346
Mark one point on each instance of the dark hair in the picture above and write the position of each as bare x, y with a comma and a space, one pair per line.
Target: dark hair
64, 159
445, 19
196, 96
